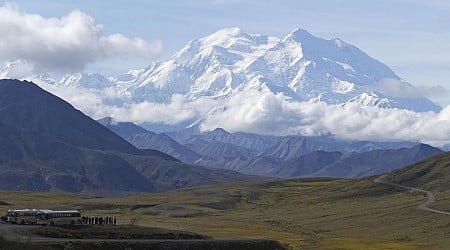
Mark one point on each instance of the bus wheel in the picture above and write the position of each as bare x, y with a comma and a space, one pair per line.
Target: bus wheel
22, 222
52, 223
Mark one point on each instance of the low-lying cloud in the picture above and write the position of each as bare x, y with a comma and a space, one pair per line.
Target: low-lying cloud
275, 114
68, 43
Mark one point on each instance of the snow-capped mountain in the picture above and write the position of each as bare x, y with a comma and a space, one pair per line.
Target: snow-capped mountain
300, 66
212, 66
23, 70
85, 80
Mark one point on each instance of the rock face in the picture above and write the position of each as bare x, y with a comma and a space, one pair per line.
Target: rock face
47, 145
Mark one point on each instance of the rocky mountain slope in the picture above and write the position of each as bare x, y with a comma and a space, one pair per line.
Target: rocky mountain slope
285, 157
47, 145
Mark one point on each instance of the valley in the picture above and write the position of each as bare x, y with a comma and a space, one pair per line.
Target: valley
304, 213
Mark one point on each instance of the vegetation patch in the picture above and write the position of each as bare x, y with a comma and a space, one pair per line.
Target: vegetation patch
140, 206
114, 232
174, 245
4, 203
8, 245
172, 211
229, 202
101, 206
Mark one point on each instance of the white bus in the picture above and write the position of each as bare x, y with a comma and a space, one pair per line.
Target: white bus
50, 217
22, 216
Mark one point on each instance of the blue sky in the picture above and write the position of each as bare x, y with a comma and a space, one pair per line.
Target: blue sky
412, 37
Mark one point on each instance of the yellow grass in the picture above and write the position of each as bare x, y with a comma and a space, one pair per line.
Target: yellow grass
339, 214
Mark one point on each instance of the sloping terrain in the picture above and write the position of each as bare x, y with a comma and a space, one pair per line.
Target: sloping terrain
430, 174
47, 145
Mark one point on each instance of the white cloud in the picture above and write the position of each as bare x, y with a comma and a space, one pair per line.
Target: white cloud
98, 104
68, 43
277, 115
178, 110
273, 114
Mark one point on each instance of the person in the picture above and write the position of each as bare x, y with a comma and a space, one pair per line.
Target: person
115, 221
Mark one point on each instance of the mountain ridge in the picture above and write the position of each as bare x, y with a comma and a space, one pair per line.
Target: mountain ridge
280, 157
47, 145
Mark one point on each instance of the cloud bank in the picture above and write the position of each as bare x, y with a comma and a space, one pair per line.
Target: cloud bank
68, 43
274, 114
277, 115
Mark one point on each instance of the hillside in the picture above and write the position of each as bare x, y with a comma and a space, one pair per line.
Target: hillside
26, 107
47, 145
430, 174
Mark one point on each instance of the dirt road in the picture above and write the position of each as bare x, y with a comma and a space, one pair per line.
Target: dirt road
431, 198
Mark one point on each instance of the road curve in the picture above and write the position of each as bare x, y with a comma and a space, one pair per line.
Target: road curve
431, 198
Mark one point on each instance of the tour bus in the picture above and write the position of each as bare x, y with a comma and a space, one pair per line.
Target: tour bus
50, 217
22, 216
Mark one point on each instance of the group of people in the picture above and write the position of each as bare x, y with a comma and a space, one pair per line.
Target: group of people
108, 220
